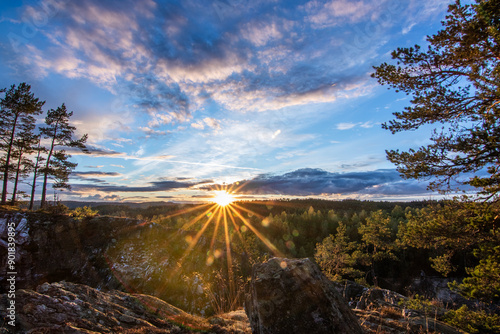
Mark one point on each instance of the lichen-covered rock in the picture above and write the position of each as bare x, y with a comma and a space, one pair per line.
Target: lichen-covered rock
75, 308
293, 296
372, 298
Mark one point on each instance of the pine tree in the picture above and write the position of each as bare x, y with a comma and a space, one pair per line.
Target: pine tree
335, 255
378, 240
455, 83
22, 147
18, 107
60, 134
39, 150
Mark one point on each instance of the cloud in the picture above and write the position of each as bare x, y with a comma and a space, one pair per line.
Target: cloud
207, 121
94, 176
151, 132
198, 125
348, 126
212, 123
99, 198
309, 181
171, 63
95, 173
367, 125
156, 186
261, 33
424, 12
335, 12
96, 152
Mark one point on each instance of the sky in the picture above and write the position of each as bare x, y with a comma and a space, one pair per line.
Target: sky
179, 98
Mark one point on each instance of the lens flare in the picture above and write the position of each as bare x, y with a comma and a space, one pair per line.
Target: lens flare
223, 198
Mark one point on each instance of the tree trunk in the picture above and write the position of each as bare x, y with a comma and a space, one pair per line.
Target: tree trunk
46, 172
18, 169
7, 162
32, 199
35, 174
44, 186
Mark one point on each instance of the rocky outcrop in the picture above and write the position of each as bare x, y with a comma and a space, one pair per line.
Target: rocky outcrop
52, 248
293, 296
106, 253
75, 308
437, 288
384, 311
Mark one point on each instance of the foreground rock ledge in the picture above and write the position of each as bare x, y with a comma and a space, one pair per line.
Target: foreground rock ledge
79, 309
293, 296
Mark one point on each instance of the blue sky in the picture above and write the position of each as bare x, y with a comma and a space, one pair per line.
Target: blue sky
180, 96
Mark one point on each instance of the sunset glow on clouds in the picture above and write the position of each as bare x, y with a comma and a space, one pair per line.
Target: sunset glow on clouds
179, 95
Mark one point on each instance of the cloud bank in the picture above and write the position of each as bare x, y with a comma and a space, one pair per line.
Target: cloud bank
310, 181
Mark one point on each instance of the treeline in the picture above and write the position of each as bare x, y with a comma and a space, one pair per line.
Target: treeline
30, 151
276, 207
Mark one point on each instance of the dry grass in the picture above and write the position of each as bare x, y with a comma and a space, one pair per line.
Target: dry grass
390, 312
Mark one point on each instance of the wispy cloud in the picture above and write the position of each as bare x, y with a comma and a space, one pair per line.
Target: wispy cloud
152, 132
156, 186
334, 12
349, 126
97, 152
94, 176
346, 126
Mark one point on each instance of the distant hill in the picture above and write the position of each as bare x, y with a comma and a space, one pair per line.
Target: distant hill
135, 205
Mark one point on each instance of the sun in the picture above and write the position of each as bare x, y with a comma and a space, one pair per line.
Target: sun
223, 198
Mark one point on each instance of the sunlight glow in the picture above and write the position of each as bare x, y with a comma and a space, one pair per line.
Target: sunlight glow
224, 220
223, 198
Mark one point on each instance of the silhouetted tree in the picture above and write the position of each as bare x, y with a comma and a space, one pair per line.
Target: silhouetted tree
23, 146
18, 107
60, 134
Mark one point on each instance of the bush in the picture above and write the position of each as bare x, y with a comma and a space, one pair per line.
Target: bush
473, 321
85, 212
56, 209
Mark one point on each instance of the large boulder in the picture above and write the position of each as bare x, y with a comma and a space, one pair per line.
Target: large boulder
293, 296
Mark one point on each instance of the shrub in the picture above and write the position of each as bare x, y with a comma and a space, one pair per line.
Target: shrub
473, 321
85, 212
